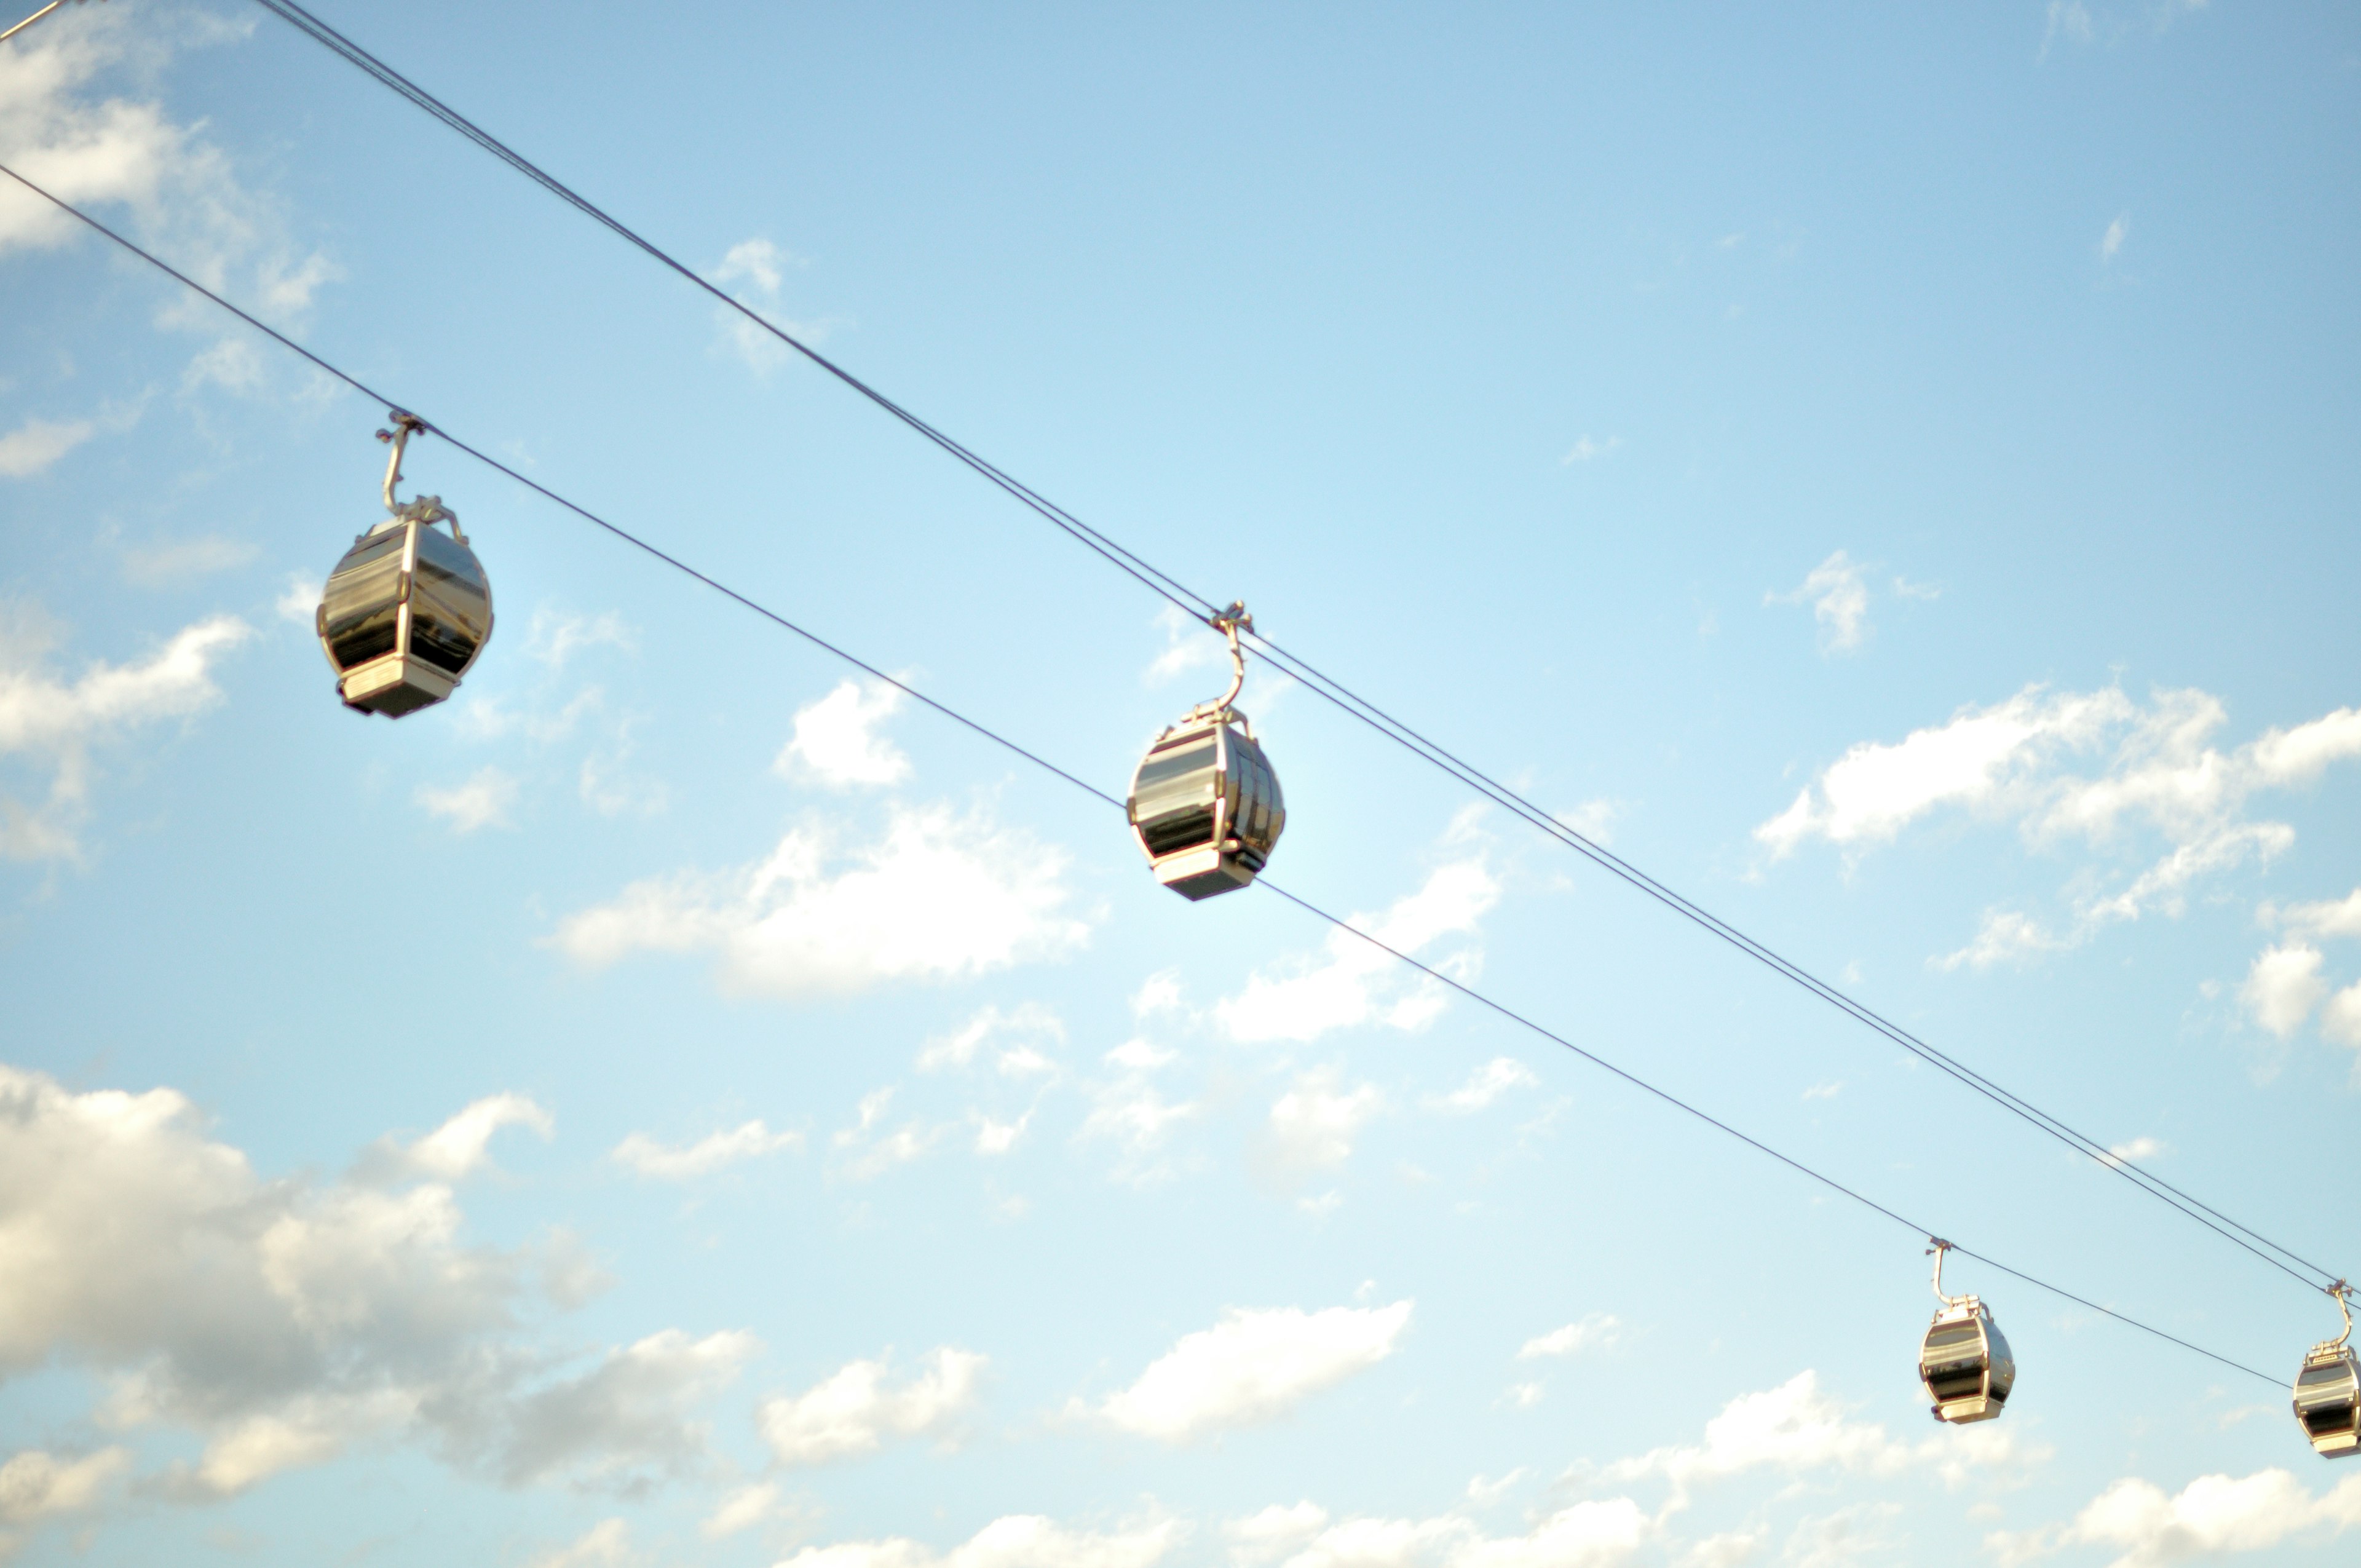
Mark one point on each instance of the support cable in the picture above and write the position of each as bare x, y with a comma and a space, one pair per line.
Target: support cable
1200, 608
1091, 790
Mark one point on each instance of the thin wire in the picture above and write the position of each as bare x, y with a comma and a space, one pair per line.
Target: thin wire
28, 21
1084, 785
1195, 604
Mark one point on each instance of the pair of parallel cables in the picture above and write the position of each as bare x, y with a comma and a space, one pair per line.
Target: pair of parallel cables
1198, 607
986, 732
1195, 605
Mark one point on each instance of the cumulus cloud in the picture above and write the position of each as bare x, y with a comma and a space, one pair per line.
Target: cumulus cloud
2213, 1517
607, 1545
173, 189
1014, 1040
2018, 761
282, 1320
459, 1147
1597, 1329
855, 1409
1189, 644
36, 1484
865, 1151
836, 740
1253, 1367
748, 1140
1315, 1120
1017, 1541
51, 724
753, 272
1794, 1427
2328, 917
1132, 1112
940, 896
2283, 987
482, 802
1353, 983
1486, 1084
33, 445
1837, 592
741, 1511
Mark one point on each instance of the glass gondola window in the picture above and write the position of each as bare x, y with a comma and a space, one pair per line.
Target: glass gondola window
1204, 804
408, 609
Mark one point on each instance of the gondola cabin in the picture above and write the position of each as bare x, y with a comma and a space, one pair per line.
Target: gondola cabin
2328, 1399
1205, 805
1965, 1364
405, 613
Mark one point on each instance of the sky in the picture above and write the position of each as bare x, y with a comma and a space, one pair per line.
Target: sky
1886, 472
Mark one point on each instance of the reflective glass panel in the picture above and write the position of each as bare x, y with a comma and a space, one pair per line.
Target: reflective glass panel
358, 609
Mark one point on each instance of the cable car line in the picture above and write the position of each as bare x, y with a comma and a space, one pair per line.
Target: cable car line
1326, 686
1013, 748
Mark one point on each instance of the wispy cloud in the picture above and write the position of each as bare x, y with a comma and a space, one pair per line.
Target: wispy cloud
1253, 1367
34, 445
483, 801
748, 1140
1837, 591
2113, 240
1588, 448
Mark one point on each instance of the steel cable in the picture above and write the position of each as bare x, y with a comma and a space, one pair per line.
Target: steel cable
1028, 755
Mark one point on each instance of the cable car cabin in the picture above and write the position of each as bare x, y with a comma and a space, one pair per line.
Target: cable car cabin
2328, 1400
405, 613
1965, 1364
1205, 805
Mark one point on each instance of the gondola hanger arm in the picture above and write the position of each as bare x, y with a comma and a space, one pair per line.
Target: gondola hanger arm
423, 509
1938, 1246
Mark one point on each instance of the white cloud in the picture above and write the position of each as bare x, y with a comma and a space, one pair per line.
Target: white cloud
2213, 1515
2341, 1019
555, 637
38, 442
1253, 1367
1596, 1534
854, 1409
282, 1320
1594, 820
1017, 1541
1793, 1426
2329, 917
1587, 447
482, 802
2113, 240
748, 1140
1189, 644
2014, 760
2139, 1150
54, 724
1274, 1532
939, 897
861, 1156
301, 598
1354, 983
836, 740
461, 1146
607, 1545
742, 1509
1839, 595
2283, 987
36, 1484
1486, 1084
1016, 1037
181, 194
1314, 1122
625, 1414
1597, 1329
760, 266
1132, 1113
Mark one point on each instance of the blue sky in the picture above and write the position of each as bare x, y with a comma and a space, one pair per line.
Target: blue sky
1888, 474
